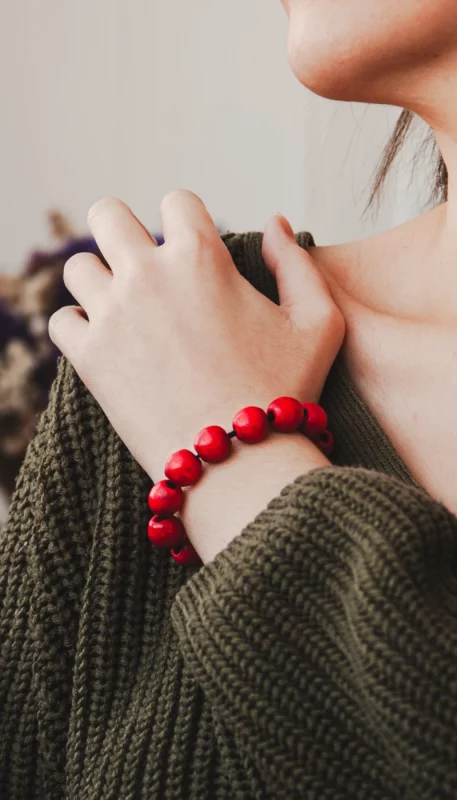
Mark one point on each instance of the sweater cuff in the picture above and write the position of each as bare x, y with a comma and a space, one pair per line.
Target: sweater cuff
323, 515
317, 622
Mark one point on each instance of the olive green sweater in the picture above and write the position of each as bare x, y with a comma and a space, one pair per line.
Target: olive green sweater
314, 658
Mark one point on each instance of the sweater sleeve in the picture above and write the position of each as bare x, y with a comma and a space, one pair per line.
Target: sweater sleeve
325, 637
74, 564
41, 569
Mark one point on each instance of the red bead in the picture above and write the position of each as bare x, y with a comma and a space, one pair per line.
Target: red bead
325, 442
251, 424
213, 444
183, 468
186, 556
165, 498
285, 414
315, 421
166, 531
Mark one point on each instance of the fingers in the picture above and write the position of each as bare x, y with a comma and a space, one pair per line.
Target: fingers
302, 289
184, 216
120, 236
68, 329
88, 281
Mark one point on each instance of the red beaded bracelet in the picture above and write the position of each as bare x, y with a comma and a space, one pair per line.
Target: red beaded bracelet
212, 445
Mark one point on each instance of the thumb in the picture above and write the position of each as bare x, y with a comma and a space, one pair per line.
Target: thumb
303, 292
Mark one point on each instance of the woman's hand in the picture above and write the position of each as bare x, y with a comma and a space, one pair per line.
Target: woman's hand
175, 339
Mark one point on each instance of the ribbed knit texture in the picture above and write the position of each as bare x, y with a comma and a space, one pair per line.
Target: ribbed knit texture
314, 658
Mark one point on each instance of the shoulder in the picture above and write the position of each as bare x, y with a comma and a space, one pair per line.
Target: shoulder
246, 251
249, 244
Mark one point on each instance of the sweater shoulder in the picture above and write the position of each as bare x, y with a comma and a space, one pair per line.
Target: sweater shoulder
246, 252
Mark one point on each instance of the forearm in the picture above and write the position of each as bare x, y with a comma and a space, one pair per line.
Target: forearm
229, 495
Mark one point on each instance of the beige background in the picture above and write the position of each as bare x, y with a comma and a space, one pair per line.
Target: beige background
136, 97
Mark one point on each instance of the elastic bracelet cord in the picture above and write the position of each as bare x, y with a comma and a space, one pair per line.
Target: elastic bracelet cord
213, 445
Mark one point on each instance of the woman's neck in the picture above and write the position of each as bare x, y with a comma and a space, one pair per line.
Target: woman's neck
408, 272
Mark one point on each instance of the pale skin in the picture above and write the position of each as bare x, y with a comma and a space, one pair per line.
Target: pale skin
174, 339
397, 290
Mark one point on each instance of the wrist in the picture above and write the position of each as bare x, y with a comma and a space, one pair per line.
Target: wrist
229, 495
244, 486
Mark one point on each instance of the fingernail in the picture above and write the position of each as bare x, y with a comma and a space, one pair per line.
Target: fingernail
285, 224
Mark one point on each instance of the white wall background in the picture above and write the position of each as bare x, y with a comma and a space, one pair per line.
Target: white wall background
135, 97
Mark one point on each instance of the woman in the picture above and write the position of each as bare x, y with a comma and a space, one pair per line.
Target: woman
313, 652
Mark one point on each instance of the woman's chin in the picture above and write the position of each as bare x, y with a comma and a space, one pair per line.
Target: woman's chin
326, 79
318, 64
339, 75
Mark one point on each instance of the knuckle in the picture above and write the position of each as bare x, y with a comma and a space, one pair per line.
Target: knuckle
72, 263
325, 310
136, 283
136, 269
190, 250
194, 240
326, 317
335, 318
168, 198
333, 321
176, 194
104, 205
55, 321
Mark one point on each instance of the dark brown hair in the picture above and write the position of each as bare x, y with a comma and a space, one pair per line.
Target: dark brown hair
439, 193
